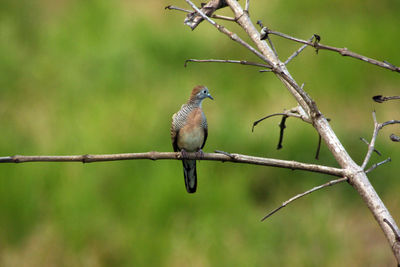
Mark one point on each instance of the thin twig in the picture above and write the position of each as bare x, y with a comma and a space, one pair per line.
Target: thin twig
246, 8
284, 204
374, 166
371, 146
365, 141
343, 51
381, 99
243, 62
295, 112
189, 11
230, 34
386, 123
318, 147
233, 157
224, 153
266, 117
264, 35
282, 127
296, 53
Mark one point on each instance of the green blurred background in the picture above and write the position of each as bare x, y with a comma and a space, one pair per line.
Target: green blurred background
86, 77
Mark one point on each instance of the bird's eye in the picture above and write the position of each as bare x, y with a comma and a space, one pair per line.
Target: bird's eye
204, 92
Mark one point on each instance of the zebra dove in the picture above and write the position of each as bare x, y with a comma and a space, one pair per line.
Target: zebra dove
189, 133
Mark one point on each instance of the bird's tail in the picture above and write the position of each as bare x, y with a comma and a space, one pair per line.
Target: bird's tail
189, 171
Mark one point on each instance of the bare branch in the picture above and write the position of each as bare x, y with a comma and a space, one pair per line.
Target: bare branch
193, 19
386, 123
381, 99
371, 146
365, 141
247, 6
296, 53
154, 155
374, 166
264, 35
294, 112
189, 11
230, 34
318, 147
284, 204
243, 62
343, 51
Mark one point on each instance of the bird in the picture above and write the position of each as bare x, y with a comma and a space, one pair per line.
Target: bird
189, 133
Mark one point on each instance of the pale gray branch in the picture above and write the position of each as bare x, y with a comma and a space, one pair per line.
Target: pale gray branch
343, 51
225, 31
215, 16
296, 53
154, 155
284, 204
371, 145
242, 62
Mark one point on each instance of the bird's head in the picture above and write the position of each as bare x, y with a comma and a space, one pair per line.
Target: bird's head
199, 93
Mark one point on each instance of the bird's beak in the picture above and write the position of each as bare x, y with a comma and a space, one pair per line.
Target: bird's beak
209, 96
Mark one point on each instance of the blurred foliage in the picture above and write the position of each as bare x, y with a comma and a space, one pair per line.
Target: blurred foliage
101, 76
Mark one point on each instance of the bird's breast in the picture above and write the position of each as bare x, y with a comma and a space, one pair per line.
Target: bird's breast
191, 135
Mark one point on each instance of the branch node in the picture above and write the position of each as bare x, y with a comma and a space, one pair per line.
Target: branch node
86, 158
15, 159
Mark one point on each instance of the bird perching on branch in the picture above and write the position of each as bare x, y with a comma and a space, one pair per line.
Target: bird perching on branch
189, 132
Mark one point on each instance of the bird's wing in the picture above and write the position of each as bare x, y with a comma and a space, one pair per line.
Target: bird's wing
205, 136
174, 134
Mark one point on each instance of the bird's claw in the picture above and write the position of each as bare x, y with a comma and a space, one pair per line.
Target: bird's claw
184, 154
200, 154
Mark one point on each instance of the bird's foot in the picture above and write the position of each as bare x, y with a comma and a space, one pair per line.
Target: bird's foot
184, 154
200, 154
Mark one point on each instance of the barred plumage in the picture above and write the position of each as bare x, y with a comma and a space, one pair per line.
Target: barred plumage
189, 132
